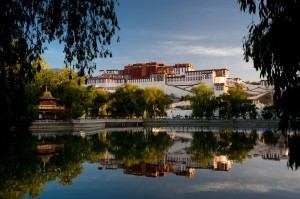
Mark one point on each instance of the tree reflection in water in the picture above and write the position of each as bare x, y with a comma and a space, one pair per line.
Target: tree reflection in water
203, 147
24, 170
18, 165
294, 151
28, 164
236, 145
219, 149
270, 137
141, 146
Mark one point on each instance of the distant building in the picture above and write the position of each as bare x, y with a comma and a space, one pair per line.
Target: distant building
48, 107
174, 80
178, 80
143, 70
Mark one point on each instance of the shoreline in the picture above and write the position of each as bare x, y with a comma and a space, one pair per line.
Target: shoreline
77, 125
217, 123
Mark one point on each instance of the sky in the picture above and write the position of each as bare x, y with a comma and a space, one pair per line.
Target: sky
206, 33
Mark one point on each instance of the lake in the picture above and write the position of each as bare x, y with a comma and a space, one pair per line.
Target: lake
150, 163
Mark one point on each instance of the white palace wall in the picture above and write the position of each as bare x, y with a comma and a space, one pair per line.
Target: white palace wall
176, 88
178, 85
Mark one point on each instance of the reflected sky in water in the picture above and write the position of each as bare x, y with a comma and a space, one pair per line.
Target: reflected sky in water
253, 171
255, 178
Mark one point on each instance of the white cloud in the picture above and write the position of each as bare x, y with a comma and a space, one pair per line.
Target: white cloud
214, 51
238, 187
176, 48
189, 37
232, 186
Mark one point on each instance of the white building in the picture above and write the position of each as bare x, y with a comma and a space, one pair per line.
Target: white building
179, 79
178, 83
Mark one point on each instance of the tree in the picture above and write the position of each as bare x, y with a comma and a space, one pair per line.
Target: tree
156, 101
248, 109
65, 85
273, 45
235, 104
224, 106
237, 97
99, 100
203, 102
124, 102
163, 102
72, 95
268, 112
85, 28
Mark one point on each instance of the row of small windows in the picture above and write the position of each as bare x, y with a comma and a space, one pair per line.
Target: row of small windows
97, 81
194, 73
184, 79
188, 78
183, 69
219, 88
207, 76
204, 76
138, 80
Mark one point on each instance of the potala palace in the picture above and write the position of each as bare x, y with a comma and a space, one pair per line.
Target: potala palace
178, 80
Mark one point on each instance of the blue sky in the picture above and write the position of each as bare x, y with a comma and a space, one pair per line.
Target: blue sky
207, 33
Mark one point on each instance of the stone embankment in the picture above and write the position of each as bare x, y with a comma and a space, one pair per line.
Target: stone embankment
45, 125
233, 123
83, 124
65, 125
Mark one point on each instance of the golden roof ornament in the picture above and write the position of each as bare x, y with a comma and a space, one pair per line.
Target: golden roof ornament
47, 95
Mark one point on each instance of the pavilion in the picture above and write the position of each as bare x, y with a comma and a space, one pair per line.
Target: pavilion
49, 108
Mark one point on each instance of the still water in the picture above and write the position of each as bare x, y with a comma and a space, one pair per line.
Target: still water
150, 163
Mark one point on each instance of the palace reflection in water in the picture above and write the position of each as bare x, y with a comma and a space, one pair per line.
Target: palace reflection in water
31, 161
182, 163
